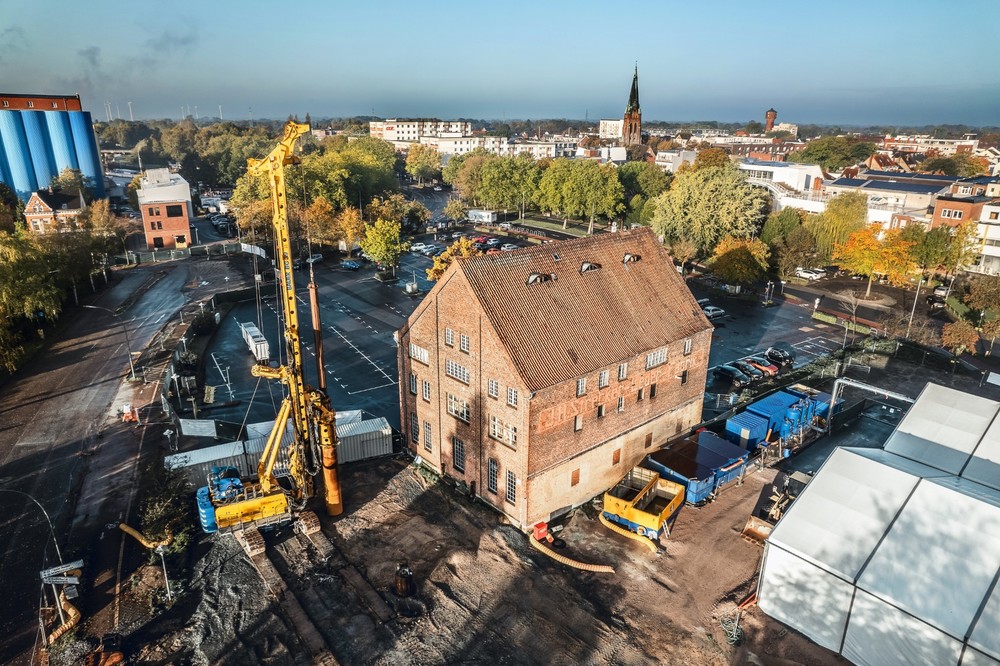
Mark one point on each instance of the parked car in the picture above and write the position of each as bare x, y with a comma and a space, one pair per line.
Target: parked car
480, 239
753, 373
507, 247
430, 249
704, 303
418, 247
941, 291
493, 242
458, 234
779, 356
763, 365
439, 251
437, 188
504, 225
314, 259
809, 273
478, 246
935, 302
350, 264
713, 312
730, 374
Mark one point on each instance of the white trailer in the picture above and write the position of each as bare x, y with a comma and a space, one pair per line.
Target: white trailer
256, 342
479, 216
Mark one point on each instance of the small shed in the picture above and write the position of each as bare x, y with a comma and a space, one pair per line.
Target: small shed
361, 440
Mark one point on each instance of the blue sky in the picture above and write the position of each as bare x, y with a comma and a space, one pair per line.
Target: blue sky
848, 62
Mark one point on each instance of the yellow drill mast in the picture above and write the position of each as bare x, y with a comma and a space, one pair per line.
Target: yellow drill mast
313, 446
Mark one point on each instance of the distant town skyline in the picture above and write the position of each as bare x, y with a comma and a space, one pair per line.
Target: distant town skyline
856, 63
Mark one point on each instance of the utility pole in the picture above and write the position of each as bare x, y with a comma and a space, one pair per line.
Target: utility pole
914, 308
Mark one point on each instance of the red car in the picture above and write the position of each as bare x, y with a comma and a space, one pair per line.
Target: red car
763, 365
481, 239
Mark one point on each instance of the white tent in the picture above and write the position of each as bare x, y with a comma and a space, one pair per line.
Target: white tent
893, 556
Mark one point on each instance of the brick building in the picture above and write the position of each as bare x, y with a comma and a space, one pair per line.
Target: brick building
953, 210
49, 212
539, 377
165, 205
632, 122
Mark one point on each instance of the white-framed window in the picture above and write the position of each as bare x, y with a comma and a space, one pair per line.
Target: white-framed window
427, 390
504, 432
492, 472
458, 454
602, 379
457, 371
493, 388
687, 346
512, 397
413, 383
581, 386
621, 404
414, 428
463, 342
622, 371
511, 488
427, 435
31, 105
418, 353
449, 337
600, 411
458, 408
956, 215
640, 395
578, 423
655, 358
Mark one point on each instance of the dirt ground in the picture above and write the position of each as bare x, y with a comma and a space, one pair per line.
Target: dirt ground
484, 595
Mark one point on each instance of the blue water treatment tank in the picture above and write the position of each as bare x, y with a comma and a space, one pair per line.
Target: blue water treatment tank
18, 157
86, 150
61, 138
206, 511
42, 158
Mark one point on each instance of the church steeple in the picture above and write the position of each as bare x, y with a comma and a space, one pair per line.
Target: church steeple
633, 96
632, 122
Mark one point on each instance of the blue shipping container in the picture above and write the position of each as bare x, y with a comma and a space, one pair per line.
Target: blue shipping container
823, 404
773, 407
746, 430
702, 466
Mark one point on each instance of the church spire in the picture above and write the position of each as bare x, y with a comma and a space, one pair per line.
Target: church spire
633, 96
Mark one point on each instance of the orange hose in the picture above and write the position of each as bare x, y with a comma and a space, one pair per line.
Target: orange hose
71, 610
625, 533
598, 568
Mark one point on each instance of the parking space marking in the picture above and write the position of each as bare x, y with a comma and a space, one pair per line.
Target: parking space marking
363, 355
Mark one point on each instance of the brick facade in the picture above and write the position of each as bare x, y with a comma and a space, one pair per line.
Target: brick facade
166, 225
12, 102
46, 212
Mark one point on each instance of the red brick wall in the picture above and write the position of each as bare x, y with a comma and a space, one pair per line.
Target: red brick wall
156, 224
40, 102
970, 211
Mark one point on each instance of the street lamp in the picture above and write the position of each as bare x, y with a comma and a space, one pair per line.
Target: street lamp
914, 308
128, 346
45, 513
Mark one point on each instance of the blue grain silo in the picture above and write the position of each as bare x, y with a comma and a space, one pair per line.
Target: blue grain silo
61, 137
86, 150
17, 155
36, 130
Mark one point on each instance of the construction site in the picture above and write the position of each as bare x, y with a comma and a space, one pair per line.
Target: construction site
302, 558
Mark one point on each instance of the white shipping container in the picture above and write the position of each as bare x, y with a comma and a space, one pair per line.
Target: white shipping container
255, 341
363, 440
477, 216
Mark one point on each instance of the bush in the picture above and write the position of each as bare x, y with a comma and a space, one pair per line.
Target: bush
167, 507
204, 323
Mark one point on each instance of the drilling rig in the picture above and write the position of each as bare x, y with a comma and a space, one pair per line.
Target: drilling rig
229, 503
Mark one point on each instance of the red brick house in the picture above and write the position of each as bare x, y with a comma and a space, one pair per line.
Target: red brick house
954, 210
165, 206
50, 212
539, 377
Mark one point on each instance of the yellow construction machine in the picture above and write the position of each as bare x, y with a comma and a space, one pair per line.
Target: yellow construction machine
230, 504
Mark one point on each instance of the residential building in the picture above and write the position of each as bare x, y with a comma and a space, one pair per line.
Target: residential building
988, 186
786, 127
40, 135
671, 160
775, 150
165, 205
539, 377
989, 237
954, 210
923, 143
632, 122
408, 130
52, 212
611, 129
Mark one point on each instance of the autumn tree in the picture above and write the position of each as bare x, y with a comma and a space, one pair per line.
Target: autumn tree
991, 329
350, 226
456, 210
844, 214
683, 250
423, 161
964, 245
469, 176
984, 293
711, 158
27, 287
706, 205
740, 261
796, 249
321, 222
865, 253
959, 337
460, 249
392, 208
70, 181
109, 231
930, 248
383, 243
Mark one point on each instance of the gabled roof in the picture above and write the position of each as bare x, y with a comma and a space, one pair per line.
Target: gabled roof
56, 200
567, 323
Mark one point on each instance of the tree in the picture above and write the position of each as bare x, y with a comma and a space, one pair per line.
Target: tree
633, 215
780, 224
930, 248
26, 288
350, 226
796, 249
382, 242
551, 196
991, 329
602, 193
710, 158
469, 176
683, 250
11, 209
754, 127
964, 245
423, 161
961, 164
864, 253
834, 152
642, 178
321, 222
705, 205
417, 215
636, 153
984, 293
456, 210
70, 181
740, 261
392, 208
460, 249
960, 336
109, 231
449, 173
844, 214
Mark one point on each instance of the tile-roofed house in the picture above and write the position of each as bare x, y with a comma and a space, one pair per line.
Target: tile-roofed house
541, 376
48, 212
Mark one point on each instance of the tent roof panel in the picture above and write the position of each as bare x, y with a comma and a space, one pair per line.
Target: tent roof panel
842, 514
878, 633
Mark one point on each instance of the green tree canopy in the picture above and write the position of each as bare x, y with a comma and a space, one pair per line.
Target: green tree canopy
382, 242
961, 164
871, 252
423, 162
740, 261
11, 209
844, 214
930, 248
642, 178
26, 288
780, 224
834, 152
984, 293
706, 205
794, 250
456, 210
